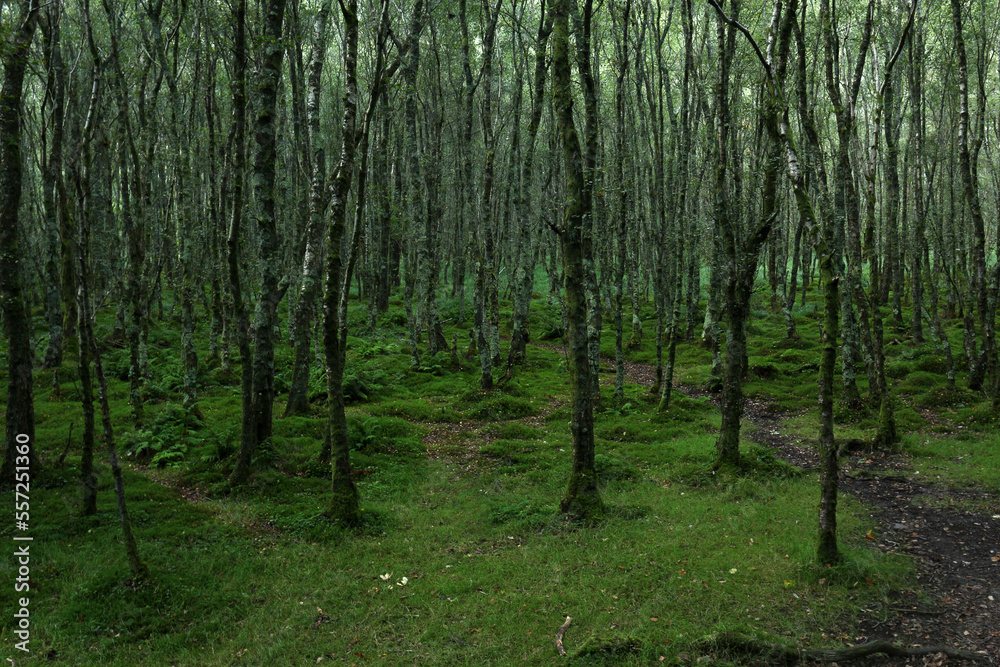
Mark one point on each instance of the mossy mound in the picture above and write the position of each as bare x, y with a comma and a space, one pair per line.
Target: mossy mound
943, 397
918, 382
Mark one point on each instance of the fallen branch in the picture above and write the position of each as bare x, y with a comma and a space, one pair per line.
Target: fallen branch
789, 655
559, 636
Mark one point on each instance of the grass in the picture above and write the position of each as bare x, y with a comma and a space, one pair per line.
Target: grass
463, 557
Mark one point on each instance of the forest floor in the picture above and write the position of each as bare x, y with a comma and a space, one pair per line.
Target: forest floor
464, 557
953, 547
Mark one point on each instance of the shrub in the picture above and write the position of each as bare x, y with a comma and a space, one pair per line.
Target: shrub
166, 440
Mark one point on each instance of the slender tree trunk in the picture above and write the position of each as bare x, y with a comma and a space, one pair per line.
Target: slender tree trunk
623, 199
309, 290
241, 470
920, 220
20, 414
89, 350
984, 363
344, 501
525, 281
53, 191
582, 500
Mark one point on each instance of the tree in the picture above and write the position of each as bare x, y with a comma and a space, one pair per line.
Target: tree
527, 240
822, 236
298, 399
984, 365
743, 247
344, 505
19, 418
259, 405
582, 500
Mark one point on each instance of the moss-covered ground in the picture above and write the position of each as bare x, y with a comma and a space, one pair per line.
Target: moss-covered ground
463, 557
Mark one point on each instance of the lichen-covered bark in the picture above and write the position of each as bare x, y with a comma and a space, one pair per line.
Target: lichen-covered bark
264, 174
344, 505
309, 289
918, 242
779, 128
846, 211
984, 363
525, 277
241, 469
582, 14
53, 192
582, 500
622, 199
879, 388
135, 234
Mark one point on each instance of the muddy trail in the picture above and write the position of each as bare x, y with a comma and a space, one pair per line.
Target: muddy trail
956, 553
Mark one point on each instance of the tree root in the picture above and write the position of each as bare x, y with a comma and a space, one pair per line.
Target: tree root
789, 655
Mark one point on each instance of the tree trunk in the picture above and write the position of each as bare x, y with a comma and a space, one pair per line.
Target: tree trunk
309, 290
525, 280
582, 500
344, 501
241, 469
20, 414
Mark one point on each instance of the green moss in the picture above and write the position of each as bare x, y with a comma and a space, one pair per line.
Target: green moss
918, 382
942, 397
582, 502
608, 647
416, 410
506, 449
898, 369
499, 406
613, 469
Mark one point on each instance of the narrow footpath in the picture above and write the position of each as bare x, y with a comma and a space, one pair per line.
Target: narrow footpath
956, 552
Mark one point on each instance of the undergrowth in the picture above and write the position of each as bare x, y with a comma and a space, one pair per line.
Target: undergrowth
462, 556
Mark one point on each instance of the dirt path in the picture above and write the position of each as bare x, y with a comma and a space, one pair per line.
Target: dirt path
956, 553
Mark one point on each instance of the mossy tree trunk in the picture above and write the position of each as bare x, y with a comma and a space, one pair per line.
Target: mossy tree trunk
309, 290
673, 289
525, 279
20, 414
919, 242
53, 189
984, 364
886, 435
344, 507
743, 247
90, 352
135, 234
823, 236
265, 210
88, 174
241, 324
623, 191
582, 15
846, 210
582, 500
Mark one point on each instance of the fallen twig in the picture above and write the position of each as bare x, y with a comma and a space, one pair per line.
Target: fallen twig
559, 636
